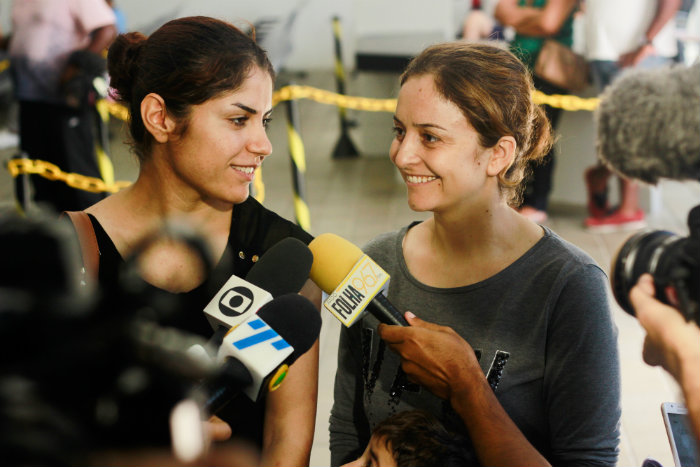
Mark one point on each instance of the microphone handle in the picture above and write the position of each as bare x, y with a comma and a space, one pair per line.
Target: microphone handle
232, 377
218, 337
382, 309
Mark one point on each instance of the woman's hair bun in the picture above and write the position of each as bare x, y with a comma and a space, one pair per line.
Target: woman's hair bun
122, 62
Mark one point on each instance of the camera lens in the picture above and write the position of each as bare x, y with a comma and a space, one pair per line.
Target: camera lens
646, 252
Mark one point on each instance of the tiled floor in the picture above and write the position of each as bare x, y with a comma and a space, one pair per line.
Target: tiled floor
358, 198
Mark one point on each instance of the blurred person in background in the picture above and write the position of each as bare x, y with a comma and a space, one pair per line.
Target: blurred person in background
54, 48
645, 39
533, 22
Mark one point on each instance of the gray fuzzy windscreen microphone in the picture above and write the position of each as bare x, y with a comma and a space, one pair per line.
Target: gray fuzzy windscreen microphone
649, 124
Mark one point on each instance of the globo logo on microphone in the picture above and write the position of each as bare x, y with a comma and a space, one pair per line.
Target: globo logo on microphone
236, 302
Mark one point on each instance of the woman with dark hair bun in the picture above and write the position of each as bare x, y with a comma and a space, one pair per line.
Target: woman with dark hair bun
514, 344
199, 94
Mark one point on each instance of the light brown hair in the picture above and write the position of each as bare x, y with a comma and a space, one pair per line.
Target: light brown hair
493, 89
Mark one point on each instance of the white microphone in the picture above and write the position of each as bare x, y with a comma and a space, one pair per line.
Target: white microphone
257, 354
236, 302
284, 268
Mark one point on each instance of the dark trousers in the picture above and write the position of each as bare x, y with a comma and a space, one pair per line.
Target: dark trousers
539, 184
65, 137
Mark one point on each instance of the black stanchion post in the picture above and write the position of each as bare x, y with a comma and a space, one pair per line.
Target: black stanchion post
344, 147
23, 199
298, 161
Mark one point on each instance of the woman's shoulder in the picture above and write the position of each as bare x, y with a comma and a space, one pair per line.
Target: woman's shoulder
253, 223
384, 243
556, 247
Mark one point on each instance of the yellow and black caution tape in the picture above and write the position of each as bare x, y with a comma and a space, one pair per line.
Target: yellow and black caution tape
287, 93
322, 96
52, 172
566, 102
114, 108
259, 186
294, 92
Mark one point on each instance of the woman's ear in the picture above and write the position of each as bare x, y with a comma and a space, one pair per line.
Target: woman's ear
155, 117
502, 155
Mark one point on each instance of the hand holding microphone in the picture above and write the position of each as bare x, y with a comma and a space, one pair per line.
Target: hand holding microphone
354, 283
434, 356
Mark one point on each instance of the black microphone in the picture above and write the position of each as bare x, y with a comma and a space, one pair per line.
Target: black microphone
284, 268
648, 124
256, 355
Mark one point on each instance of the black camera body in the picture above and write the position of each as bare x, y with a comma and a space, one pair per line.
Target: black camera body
672, 260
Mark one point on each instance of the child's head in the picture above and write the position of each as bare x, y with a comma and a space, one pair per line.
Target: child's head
414, 438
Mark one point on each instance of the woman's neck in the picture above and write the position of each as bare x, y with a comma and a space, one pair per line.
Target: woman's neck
166, 195
450, 250
467, 232
142, 209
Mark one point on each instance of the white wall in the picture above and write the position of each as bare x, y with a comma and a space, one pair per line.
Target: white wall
311, 39
312, 36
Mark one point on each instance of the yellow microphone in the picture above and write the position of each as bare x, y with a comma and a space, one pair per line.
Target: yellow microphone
354, 282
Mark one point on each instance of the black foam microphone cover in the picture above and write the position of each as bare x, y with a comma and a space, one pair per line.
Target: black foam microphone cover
284, 268
295, 319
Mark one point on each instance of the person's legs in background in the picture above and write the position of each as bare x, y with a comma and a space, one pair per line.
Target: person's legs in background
63, 137
627, 214
539, 183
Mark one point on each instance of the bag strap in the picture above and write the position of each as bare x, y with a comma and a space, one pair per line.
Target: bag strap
88, 242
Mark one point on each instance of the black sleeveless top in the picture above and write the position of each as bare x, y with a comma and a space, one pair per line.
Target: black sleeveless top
254, 229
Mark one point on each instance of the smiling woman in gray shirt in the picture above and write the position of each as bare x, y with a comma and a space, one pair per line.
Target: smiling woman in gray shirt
515, 345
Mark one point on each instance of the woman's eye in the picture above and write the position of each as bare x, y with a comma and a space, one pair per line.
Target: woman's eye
267, 121
398, 132
239, 121
430, 138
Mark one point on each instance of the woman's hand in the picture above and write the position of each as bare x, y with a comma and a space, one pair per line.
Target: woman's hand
432, 355
439, 359
217, 429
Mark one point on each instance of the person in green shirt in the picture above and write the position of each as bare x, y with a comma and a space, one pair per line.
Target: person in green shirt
533, 22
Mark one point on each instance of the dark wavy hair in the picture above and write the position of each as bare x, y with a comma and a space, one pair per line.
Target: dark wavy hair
416, 438
187, 61
493, 89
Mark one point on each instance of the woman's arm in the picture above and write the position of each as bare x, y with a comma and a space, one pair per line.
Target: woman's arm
290, 411
538, 22
665, 11
290, 415
440, 360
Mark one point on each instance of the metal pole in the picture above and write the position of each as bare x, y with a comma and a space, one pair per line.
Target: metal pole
298, 161
344, 147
